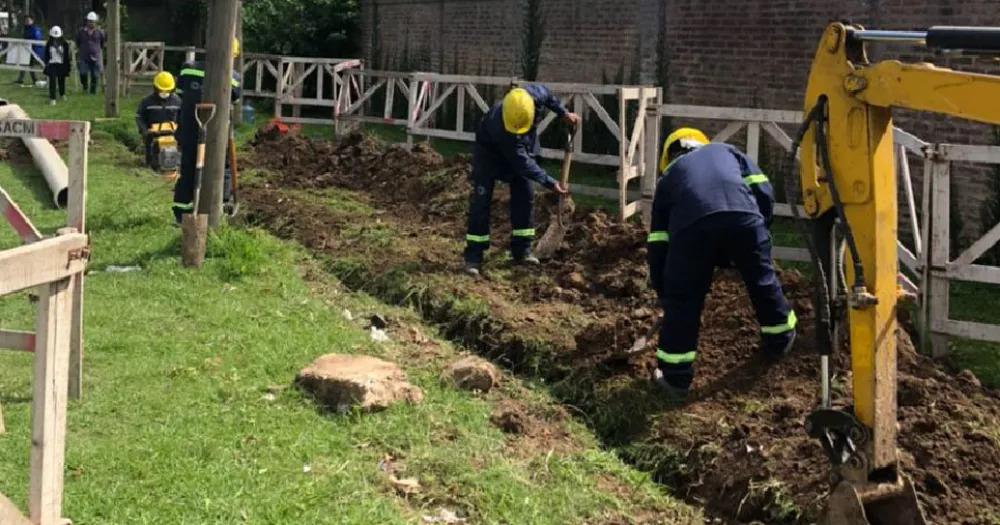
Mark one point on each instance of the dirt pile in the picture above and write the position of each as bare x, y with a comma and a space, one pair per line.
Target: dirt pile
591, 303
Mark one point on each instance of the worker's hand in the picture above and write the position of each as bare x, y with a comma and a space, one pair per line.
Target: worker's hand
560, 189
572, 120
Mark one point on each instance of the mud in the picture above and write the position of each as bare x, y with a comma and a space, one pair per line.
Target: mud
737, 447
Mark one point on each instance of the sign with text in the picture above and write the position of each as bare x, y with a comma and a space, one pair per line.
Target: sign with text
45, 129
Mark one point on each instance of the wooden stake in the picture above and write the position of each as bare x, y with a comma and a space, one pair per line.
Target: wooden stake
217, 90
77, 218
194, 232
112, 83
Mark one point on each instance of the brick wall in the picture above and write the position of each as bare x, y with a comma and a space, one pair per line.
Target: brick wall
753, 53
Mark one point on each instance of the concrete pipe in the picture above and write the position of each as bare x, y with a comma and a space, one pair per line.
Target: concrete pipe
46, 158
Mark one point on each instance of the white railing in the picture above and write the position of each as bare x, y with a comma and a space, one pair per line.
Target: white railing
19, 54
929, 261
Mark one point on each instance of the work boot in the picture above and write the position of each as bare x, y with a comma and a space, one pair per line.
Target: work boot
674, 393
527, 260
52, 102
776, 353
473, 269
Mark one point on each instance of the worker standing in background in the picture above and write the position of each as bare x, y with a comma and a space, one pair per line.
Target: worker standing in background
711, 204
90, 41
57, 64
30, 32
507, 149
162, 105
192, 79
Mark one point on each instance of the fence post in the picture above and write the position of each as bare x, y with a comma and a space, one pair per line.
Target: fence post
623, 136
940, 249
411, 110
925, 257
280, 89
651, 161
76, 218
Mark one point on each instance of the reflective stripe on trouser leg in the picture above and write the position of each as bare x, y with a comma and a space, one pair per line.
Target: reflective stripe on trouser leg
522, 199
477, 239
677, 368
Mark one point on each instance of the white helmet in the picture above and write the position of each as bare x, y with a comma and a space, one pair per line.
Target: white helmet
55, 32
91, 16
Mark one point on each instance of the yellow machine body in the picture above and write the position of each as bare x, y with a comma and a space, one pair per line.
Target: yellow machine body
858, 98
166, 158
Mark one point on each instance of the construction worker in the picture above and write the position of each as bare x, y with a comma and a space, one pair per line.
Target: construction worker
712, 204
506, 149
90, 42
162, 105
192, 78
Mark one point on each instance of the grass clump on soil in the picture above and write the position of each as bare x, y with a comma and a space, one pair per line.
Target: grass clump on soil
188, 415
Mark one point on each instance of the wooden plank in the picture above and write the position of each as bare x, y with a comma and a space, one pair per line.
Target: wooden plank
785, 210
374, 120
585, 158
630, 209
602, 114
309, 120
574, 88
41, 262
969, 153
908, 285
435, 105
17, 340
76, 215
610, 194
911, 204
753, 142
364, 96
907, 258
474, 93
651, 166
464, 136
637, 129
623, 175
17, 219
969, 330
48, 407
390, 98
460, 109
978, 248
908, 141
973, 272
940, 289
9, 513
580, 108
727, 132
729, 113
791, 254
923, 316
466, 79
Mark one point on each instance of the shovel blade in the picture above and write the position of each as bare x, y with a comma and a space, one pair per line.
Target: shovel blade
846, 507
554, 235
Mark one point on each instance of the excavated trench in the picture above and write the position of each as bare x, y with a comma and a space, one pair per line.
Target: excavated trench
389, 222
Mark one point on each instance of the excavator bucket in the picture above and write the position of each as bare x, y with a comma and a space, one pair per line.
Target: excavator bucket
898, 506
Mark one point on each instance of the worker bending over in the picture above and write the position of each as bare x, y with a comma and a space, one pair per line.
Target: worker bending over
712, 204
192, 79
159, 107
506, 150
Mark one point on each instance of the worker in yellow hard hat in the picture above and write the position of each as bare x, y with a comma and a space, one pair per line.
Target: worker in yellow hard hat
506, 150
191, 81
712, 204
160, 106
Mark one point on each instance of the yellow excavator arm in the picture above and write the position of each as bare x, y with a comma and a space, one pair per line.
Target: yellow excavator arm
848, 185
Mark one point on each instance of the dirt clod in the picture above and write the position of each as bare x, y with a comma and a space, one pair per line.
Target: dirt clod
472, 373
510, 420
341, 382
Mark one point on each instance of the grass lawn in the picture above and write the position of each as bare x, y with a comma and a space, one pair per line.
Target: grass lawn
189, 417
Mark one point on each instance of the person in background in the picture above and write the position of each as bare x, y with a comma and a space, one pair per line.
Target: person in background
162, 105
90, 46
57, 63
31, 32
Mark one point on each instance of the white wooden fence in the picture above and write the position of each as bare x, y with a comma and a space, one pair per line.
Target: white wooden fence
928, 269
53, 267
19, 54
427, 96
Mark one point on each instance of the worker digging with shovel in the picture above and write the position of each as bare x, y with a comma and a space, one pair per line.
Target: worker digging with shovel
712, 204
507, 149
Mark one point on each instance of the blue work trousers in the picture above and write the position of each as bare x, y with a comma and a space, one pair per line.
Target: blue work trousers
485, 174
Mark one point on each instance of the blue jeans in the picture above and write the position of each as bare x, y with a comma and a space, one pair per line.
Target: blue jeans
90, 72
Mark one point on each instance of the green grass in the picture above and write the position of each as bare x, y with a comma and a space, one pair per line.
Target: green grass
188, 413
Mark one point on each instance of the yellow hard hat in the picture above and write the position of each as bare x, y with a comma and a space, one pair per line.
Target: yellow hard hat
236, 47
688, 135
518, 111
164, 81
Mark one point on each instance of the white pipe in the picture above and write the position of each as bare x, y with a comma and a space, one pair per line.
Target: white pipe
47, 159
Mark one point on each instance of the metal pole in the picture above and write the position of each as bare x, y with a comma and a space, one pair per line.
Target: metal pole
899, 37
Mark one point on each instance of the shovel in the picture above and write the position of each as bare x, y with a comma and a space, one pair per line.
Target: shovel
556, 232
194, 225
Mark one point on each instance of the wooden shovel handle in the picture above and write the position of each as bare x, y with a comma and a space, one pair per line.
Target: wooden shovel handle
567, 159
